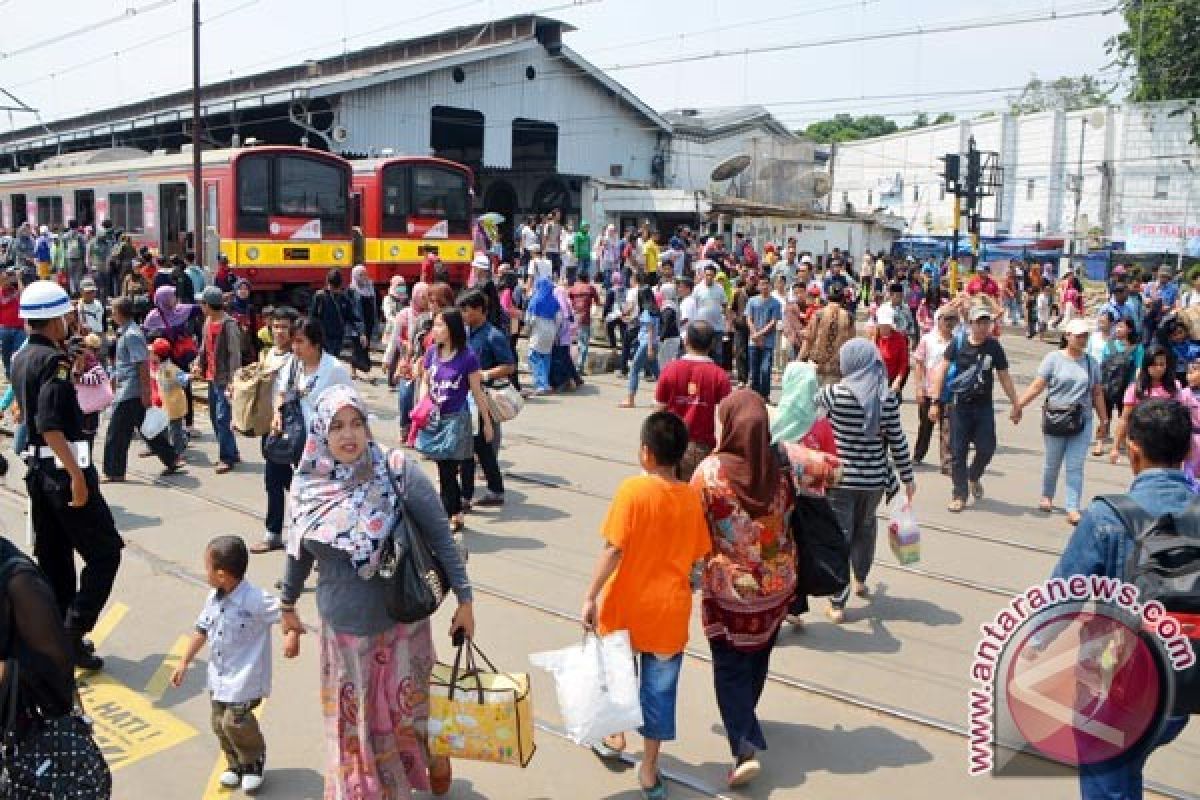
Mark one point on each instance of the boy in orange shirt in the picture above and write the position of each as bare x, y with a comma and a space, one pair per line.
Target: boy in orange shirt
654, 533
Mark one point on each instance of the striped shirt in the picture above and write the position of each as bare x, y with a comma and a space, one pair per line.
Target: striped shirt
864, 459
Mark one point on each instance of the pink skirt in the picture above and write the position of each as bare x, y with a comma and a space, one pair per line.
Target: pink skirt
375, 700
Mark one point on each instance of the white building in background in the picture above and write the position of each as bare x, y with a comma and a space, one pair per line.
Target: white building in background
1140, 176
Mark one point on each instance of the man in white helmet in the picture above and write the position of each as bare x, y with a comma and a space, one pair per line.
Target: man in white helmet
67, 511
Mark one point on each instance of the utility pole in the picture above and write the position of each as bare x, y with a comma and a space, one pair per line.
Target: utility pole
983, 178
197, 172
1187, 209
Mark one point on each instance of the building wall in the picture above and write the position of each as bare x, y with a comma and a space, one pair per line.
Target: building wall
596, 129
691, 162
1124, 155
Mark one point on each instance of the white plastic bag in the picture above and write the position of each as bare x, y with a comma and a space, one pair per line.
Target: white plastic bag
154, 423
597, 686
904, 535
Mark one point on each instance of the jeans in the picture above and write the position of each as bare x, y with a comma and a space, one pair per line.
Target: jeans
220, 414
760, 370
975, 424
404, 403
1072, 449
741, 345
488, 454
1122, 780
177, 436
11, 340
127, 417
855, 511
739, 678
539, 365
584, 342
925, 433
641, 360
278, 480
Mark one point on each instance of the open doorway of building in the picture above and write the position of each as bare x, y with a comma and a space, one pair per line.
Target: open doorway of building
20, 213
85, 207
457, 134
534, 145
502, 199
173, 225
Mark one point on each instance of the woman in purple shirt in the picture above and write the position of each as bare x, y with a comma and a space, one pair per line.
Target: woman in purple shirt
451, 372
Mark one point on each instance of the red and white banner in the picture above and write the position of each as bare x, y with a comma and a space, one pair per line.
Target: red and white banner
428, 228
295, 229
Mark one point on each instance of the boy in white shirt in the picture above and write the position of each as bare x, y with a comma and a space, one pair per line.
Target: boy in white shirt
237, 618
539, 267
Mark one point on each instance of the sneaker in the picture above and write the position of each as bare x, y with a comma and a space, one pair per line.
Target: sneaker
270, 542
231, 778
82, 657
861, 589
252, 776
491, 500
836, 615
956, 505
744, 771
977, 489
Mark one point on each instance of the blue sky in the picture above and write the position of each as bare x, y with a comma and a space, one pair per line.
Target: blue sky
799, 84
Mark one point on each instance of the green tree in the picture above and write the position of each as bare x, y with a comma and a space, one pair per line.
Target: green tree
1066, 93
1161, 49
846, 127
921, 120
943, 118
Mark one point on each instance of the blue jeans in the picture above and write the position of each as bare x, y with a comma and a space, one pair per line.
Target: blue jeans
220, 414
1074, 450
641, 360
585, 340
761, 360
11, 340
1123, 780
539, 365
973, 424
404, 403
658, 680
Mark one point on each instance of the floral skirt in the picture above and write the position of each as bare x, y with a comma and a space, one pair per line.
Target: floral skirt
375, 700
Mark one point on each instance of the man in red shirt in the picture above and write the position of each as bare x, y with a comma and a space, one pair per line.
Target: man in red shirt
583, 295
691, 388
893, 348
12, 327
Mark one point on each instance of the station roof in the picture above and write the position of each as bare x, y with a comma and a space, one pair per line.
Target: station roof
714, 123
322, 77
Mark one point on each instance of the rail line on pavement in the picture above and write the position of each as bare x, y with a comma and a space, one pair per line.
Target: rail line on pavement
846, 698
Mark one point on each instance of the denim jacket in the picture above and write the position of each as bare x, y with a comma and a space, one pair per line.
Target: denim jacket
1101, 545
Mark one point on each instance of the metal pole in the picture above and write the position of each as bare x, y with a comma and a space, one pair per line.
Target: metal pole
197, 173
1078, 190
954, 247
1183, 231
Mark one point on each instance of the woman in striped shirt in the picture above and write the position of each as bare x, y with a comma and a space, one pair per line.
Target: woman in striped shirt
866, 426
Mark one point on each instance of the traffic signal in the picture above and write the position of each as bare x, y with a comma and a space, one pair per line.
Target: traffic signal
950, 171
974, 169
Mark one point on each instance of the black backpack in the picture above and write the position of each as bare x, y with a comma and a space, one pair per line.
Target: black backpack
1164, 565
1114, 372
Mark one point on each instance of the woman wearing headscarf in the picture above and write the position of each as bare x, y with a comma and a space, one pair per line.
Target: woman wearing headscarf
393, 303
345, 498
413, 324
246, 316
608, 255
807, 440
175, 321
865, 416
564, 376
751, 575
668, 346
361, 294
545, 316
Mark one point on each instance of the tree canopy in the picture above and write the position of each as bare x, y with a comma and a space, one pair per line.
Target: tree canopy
846, 127
1066, 93
1161, 48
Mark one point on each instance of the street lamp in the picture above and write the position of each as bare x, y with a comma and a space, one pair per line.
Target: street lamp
1187, 207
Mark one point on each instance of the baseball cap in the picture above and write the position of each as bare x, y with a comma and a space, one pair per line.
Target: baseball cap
1078, 327
87, 285
980, 311
885, 316
213, 297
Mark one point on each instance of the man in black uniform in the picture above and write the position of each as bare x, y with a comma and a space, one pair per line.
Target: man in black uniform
68, 513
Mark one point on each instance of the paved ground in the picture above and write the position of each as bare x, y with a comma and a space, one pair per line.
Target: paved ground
869, 709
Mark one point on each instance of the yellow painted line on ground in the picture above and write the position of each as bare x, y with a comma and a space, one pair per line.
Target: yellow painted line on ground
156, 687
213, 790
108, 621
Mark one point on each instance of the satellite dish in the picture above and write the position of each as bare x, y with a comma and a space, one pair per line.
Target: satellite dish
1096, 119
730, 168
340, 133
821, 184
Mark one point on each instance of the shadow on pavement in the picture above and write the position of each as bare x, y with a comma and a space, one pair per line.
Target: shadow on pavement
130, 521
291, 782
136, 674
479, 542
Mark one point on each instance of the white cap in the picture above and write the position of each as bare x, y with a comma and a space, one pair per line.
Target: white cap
43, 229
806, 260
44, 300
1078, 327
481, 261
886, 315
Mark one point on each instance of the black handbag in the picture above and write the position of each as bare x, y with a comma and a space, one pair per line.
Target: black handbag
822, 551
418, 581
287, 446
1062, 420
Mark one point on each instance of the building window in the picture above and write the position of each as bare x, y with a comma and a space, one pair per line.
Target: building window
1162, 183
941, 192
845, 199
1030, 186
870, 199
49, 211
916, 194
125, 210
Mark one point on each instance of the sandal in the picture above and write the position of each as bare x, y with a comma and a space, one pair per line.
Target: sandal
956, 505
625, 404
656, 792
1099, 449
440, 780
1046, 507
607, 751
1073, 517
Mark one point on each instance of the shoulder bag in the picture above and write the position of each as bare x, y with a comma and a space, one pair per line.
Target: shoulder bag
1064, 420
286, 446
417, 581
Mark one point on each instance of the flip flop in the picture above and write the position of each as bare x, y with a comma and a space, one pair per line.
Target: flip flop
656, 792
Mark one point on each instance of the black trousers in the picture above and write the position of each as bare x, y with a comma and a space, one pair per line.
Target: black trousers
62, 532
489, 460
741, 354
127, 417
448, 487
278, 480
739, 679
515, 377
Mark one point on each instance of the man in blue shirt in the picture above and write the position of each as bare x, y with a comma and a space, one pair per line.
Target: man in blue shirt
763, 313
1159, 438
1120, 306
1160, 296
496, 361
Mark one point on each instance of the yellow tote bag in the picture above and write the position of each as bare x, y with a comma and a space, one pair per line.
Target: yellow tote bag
480, 715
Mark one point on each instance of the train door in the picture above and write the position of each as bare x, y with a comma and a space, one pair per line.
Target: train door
85, 207
173, 218
20, 214
359, 244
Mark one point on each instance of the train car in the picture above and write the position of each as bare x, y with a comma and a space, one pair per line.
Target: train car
281, 214
411, 206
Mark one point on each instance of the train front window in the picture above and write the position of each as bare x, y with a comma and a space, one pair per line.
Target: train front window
305, 187
254, 194
424, 192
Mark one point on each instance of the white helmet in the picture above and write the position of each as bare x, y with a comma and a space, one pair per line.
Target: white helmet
44, 300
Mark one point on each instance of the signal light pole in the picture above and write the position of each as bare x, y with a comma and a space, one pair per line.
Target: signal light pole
984, 177
197, 173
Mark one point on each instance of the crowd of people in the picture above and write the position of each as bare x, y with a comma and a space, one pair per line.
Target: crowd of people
731, 472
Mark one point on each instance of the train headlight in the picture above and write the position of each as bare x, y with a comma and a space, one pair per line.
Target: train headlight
395, 251
252, 253
462, 252
339, 253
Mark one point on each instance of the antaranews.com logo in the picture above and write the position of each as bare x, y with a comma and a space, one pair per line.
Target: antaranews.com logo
1075, 670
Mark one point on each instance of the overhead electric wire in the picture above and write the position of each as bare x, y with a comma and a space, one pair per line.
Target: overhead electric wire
127, 14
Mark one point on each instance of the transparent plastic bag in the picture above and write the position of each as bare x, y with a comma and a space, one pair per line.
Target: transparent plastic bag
597, 686
904, 535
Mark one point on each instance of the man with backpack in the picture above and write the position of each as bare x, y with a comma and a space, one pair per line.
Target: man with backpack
1105, 543
74, 250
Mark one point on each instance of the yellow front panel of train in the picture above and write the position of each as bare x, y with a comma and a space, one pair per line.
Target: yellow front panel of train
292, 254
406, 251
